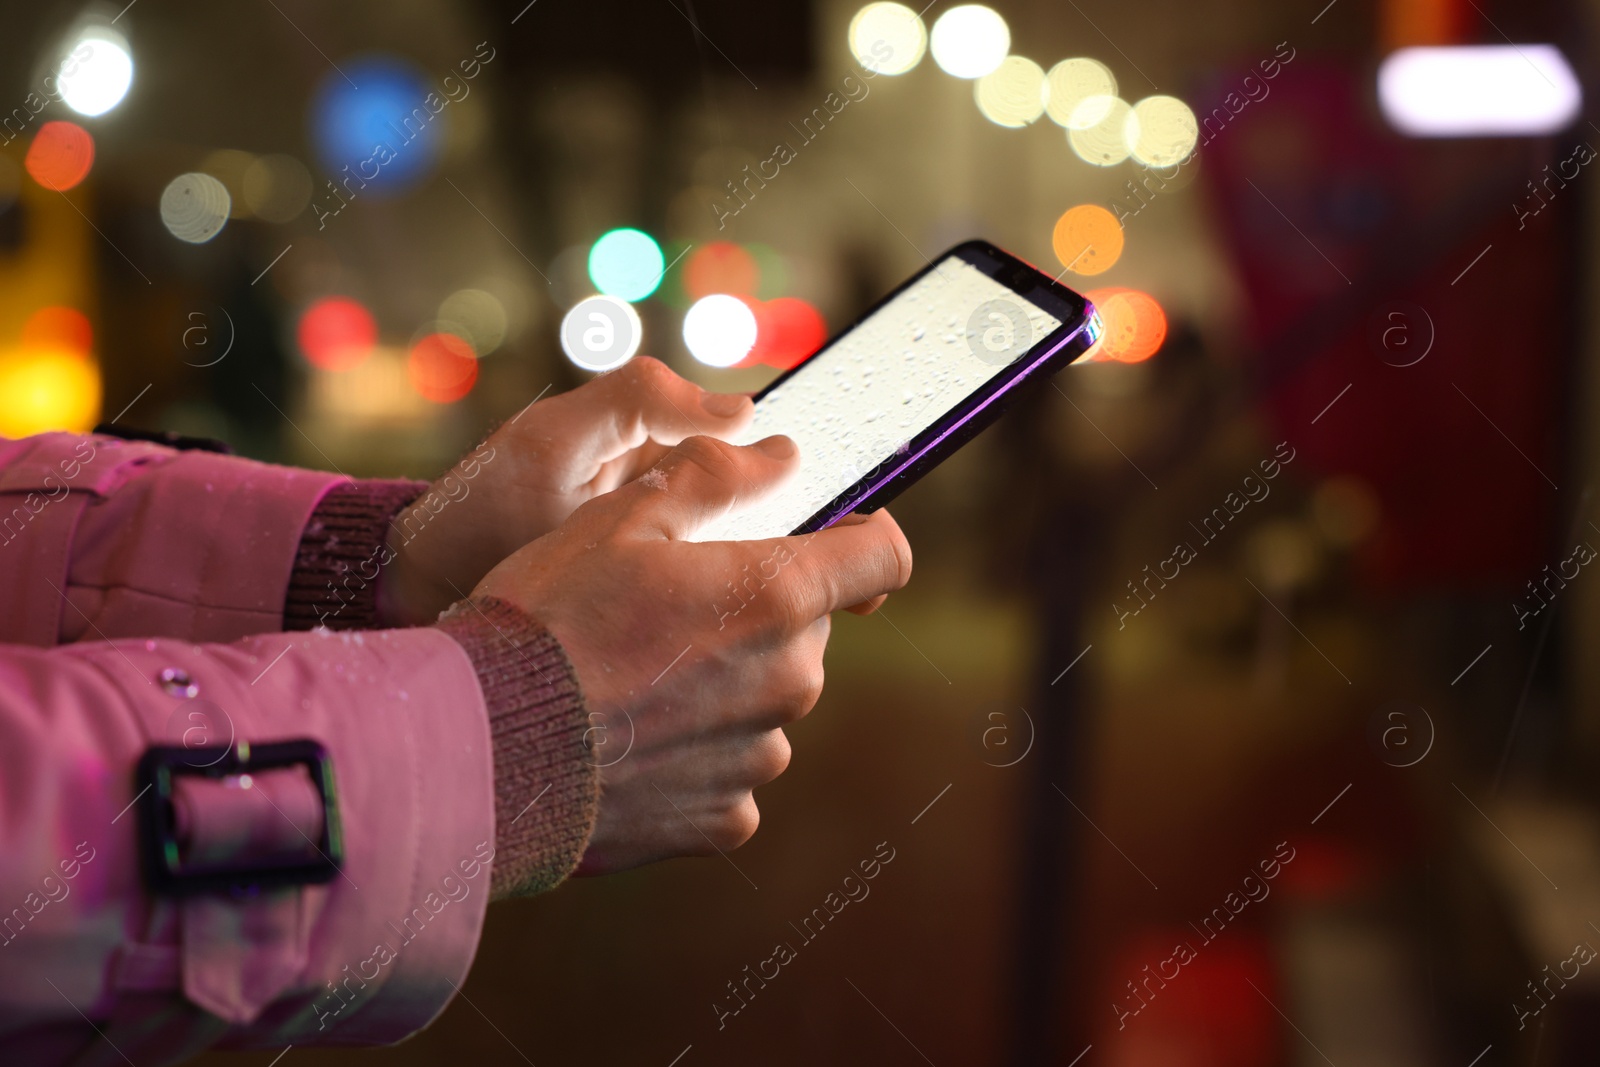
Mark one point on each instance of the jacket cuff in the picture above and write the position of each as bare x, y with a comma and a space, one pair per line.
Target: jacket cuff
546, 784
342, 550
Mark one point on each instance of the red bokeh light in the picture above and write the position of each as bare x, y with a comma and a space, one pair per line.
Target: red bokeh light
60, 328
337, 333
788, 330
720, 267
1135, 326
60, 155
443, 368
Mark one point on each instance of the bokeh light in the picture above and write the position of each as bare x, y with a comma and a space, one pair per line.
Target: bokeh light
277, 187
626, 264
719, 330
969, 41
1161, 131
45, 389
601, 333
195, 207
96, 73
336, 333
229, 166
1013, 93
442, 368
60, 155
888, 38
388, 110
788, 330
720, 267
1479, 90
58, 328
1105, 143
1078, 92
1135, 325
476, 316
1087, 239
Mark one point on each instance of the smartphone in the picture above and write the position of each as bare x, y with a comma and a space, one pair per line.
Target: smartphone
907, 384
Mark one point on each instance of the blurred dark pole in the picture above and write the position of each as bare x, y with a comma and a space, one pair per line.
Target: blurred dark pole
1067, 553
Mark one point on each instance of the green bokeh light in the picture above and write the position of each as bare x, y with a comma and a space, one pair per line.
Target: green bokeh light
626, 264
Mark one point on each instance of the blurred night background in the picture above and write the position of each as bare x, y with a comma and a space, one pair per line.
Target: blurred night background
1346, 756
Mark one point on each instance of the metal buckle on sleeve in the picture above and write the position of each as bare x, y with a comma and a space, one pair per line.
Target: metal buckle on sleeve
156, 776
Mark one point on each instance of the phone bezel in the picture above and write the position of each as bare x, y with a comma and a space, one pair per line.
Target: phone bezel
1078, 331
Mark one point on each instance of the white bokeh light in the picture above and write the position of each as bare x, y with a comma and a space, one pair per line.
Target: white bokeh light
1013, 93
95, 74
1104, 143
195, 207
970, 41
888, 38
601, 333
1078, 92
1161, 131
1479, 90
719, 330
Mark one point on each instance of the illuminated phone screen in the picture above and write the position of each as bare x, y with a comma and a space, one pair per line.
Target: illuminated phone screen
864, 397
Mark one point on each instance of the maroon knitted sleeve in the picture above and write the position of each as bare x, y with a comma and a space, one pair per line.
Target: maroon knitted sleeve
546, 784
342, 554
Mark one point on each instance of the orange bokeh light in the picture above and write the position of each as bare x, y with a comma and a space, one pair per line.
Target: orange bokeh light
62, 329
336, 333
1135, 326
443, 368
60, 155
720, 267
1087, 239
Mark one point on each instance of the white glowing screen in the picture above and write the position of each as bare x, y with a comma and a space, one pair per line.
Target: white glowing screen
862, 399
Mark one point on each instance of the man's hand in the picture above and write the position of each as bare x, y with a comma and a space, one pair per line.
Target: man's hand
534, 471
694, 654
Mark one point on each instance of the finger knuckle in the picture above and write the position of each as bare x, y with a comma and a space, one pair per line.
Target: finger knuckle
710, 455
804, 690
772, 758
739, 823
645, 371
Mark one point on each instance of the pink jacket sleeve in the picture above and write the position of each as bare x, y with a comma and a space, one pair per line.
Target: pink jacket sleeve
160, 564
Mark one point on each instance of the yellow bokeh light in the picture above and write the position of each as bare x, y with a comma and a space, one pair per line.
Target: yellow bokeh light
1104, 143
1013, 93
1078, 92
888, 38
1087, 239
47, 389
1161, 131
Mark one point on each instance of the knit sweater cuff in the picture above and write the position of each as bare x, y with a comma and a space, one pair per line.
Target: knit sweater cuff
546, 785
342, 551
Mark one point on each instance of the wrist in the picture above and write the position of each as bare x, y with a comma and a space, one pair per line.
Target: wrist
412, 592
547, 785
344, 555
